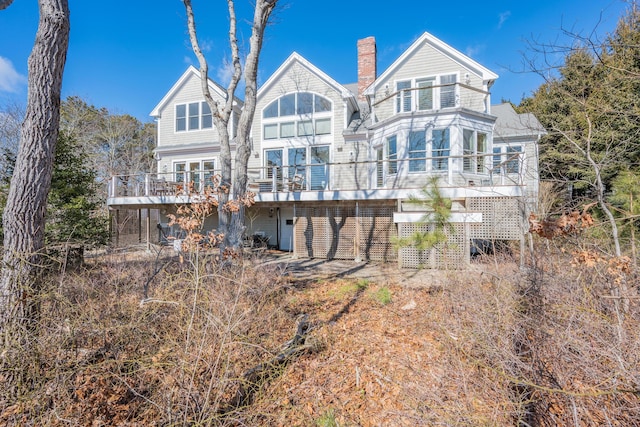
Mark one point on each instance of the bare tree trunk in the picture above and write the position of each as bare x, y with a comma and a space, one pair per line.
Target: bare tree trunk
231, 222
24, 214
598, 185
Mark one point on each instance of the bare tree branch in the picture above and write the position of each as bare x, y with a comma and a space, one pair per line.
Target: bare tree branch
5, 4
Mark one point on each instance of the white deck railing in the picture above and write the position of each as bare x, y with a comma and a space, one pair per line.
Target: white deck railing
415, 173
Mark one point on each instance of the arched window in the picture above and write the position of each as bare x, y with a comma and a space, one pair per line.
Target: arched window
300, 103
297, 115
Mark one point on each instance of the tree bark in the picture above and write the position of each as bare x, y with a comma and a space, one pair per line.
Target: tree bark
234, 182
24, 214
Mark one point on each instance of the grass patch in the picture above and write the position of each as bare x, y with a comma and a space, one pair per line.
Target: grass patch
328, 419
382, 295
351, 288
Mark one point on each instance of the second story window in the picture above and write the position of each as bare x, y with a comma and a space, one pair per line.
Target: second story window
181, 118
301, 114
403, 96
431, 93
425, 93
448, 91
193, 116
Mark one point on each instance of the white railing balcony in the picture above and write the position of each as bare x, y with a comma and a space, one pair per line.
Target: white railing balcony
485, 170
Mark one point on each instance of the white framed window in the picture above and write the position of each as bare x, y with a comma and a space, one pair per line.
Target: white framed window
425, 93
417, 151
319, 169
474, 146
305, 128
440, 149
198, 171
448, 91
432, 92
514, 158
273, 163
193, 116
309, 163
179, 169
181, 117
271, 131
508, 159
287, 130
392, 154
323, 126
403, 96
313, 113
207, 117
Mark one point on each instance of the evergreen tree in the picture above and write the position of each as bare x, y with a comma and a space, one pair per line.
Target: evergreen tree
73, 208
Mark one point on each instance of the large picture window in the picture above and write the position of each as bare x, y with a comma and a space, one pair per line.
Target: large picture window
313, 112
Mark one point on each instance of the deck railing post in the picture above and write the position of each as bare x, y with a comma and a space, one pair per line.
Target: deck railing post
274, 179
147, 184
112, 187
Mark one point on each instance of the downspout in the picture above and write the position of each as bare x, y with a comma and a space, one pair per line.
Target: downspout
278, 231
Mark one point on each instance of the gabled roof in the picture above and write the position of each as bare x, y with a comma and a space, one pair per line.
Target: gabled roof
191, 71
442, 47
297, 58
509, 123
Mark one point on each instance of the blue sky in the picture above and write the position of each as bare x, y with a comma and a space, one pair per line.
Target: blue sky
125, 55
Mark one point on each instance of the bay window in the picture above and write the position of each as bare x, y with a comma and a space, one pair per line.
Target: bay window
417, 151
474, 147
440, 149
392, 154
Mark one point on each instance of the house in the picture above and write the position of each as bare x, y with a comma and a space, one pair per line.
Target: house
333, 166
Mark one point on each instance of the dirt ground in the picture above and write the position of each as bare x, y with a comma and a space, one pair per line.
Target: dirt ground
383, 274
